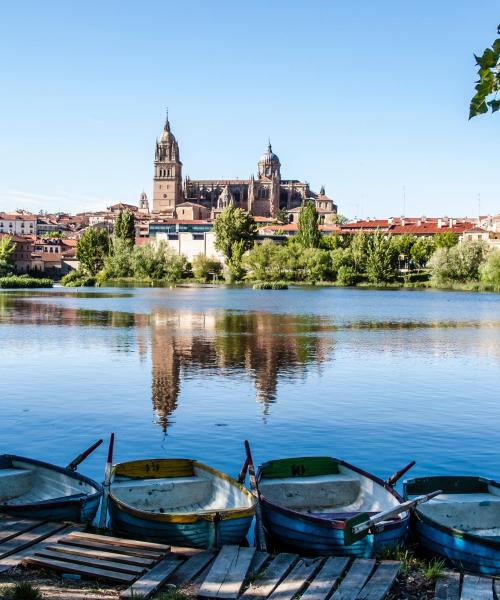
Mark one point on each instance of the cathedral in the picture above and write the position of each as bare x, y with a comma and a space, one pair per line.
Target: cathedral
262, 195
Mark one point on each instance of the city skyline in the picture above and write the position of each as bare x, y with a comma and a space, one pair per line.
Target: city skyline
371, 102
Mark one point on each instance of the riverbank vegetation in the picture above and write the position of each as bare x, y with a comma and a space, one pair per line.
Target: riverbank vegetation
362, 259
24, 281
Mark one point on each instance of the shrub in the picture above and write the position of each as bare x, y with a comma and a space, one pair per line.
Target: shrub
381, 259
118, 263
346, 276
270, 285
204, 267
18, 282
23, 591
489, 271
266, 261
157, 261
78, 279
457, 264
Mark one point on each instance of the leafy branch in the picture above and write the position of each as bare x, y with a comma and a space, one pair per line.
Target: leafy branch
488, 82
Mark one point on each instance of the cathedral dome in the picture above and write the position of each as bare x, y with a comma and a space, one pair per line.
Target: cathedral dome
269, 157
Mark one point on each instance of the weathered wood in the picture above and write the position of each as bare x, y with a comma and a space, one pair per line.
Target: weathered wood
114, 541
228, 573
29, 538
272, 576
110, 548
92, 562
15, 559
324, 582
193, 566
101, 555
9, 529
355, 579
153, 579
381, 581
475, 587
447, 586
297, 579
92, 572
259, 560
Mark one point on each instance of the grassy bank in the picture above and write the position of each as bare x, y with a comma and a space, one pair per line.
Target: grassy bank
22, 281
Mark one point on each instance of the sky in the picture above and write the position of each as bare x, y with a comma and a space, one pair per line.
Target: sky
369, 99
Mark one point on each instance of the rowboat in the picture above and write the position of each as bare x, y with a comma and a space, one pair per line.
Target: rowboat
180, 502
307, 502
34, 489
462, 524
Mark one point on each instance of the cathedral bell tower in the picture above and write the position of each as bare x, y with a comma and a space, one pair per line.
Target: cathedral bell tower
167, 181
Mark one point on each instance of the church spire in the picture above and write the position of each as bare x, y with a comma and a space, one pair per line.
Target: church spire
167, 123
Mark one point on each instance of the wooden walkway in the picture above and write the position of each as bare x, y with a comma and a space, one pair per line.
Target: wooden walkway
454, 586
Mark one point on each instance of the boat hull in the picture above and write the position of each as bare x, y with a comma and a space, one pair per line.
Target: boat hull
202, 533
320, 538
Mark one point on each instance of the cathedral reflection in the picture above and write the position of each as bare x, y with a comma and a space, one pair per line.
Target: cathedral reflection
267, 347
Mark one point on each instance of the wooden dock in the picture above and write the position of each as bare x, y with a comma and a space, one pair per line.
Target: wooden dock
455, 586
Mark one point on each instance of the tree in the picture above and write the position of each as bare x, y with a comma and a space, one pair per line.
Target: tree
457, 264
380, 259
118, 263
316, 264
92, 249
422, 250
308, 234
262, 262
282, 216
158, 262
234, 232
489, 271
447, 239
124, 228
403, 244
205, 267
358, 251
488, 82
340, 219
334, 241
7, 248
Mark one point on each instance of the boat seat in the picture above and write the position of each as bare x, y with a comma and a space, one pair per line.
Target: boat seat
164, 493
332, 490
14, 483
465, 511
468, 498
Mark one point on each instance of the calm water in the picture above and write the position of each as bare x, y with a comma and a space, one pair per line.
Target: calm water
375, 377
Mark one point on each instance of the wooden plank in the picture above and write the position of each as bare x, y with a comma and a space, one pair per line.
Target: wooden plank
447, 586
193, 566
70, 541
153, 579
296, 581
83, 560
381, 581
272, 576
324, 582
475, 587
114, 541
9, 529
259, 560
29, 538
101, 555
355, 579
13, 560
228, 573
91, 572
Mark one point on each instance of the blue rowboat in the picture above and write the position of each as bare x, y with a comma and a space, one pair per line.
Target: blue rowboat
34, 489
180, 502
461, 525
306, 502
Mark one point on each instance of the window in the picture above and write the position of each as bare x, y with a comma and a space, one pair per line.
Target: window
198, 236
173, 236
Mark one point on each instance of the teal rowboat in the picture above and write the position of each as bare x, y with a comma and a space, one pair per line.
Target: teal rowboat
462, 524
180, 502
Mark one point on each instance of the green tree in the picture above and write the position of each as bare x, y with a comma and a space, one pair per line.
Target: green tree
158, 262
262, 262
403, 244
489, 270
422, 250
316, 264
446, 239
308, 234
457, 264
340, 219
118, 263
380, 259
282, 216
489, 80
92, 249
7, 249
205, 267
359, 251
234, 232
124, 228
346, 276
332, 242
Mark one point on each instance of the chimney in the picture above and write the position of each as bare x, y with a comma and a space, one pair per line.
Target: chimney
440, 223
403, 222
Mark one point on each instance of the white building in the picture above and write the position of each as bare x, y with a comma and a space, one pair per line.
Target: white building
18, 223
191, 244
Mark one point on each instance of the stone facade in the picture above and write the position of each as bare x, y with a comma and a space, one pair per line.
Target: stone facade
263, 195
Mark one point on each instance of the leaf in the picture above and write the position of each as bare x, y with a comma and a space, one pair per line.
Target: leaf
488, 60
494, 105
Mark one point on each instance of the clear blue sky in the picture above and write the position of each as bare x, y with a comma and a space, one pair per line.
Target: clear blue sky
364, 97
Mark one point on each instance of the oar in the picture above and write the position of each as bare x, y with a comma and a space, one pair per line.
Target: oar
106, 483
243, 473
81, 457
393, 479
358, 527
260, 536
